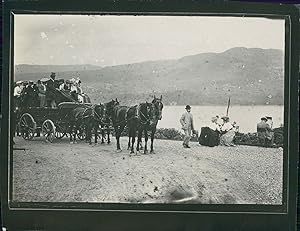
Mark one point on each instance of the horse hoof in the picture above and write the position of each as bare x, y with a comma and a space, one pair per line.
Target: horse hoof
152, 152
70, 142
145, 152
119, 150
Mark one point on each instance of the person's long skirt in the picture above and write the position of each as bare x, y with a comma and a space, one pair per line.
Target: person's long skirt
227, 138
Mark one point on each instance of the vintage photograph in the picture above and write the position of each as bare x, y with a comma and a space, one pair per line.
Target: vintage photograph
148, 109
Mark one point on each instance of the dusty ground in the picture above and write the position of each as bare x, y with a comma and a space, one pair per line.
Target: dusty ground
61, 172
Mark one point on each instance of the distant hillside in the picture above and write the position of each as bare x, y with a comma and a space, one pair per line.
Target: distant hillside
25, 68
249, 76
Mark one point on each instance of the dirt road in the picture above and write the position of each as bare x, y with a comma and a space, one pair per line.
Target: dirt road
63, 172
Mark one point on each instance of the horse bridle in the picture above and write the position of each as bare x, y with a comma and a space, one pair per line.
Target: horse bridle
148, 119
157, 109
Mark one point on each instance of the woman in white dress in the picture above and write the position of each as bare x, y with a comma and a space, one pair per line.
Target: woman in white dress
227, 132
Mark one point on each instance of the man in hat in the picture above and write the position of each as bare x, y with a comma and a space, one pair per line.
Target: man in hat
50, 89
270, 133
187, 124
29, 95
262, 129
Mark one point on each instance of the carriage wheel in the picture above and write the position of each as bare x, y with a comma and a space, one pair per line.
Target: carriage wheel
27, 126
81, 134
48, 130
59, 132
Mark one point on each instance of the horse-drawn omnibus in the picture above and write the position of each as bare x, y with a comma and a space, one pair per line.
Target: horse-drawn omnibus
50, 122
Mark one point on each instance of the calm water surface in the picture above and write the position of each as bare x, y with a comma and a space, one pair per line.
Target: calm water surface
246, 116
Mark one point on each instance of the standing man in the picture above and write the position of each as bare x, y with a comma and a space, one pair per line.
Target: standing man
262, 129
50, 89
186, 121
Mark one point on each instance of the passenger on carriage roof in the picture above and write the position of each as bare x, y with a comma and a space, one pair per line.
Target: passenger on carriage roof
17, 94
61, 83
50, 88
42, 93
30, 95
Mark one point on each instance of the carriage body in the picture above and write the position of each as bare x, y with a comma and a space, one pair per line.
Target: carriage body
51, 122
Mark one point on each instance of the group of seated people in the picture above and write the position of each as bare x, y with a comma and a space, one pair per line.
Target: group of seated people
42, 93
219, 132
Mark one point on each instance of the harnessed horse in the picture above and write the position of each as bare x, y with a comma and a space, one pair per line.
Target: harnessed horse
139, 118
117, 114
151, 125
89, 117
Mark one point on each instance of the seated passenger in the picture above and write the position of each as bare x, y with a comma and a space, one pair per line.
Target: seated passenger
227, 133
42, 93
17, 94
210, 135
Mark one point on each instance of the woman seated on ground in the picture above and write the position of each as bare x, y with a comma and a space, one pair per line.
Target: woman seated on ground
210, 135
227, 133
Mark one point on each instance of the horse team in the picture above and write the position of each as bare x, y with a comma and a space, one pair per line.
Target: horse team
139, 119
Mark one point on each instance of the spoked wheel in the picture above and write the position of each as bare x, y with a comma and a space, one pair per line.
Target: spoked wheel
27, 126
59, 132
81, 134
48, 130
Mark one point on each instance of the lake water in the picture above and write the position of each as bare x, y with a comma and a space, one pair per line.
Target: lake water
246, 116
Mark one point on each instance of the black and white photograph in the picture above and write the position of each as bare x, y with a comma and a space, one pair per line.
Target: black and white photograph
148, 109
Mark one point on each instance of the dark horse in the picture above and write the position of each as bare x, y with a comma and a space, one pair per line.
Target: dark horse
87, 116
139, 118
117, 114
151, 125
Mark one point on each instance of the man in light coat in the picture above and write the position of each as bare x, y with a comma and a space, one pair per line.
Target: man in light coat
186, 121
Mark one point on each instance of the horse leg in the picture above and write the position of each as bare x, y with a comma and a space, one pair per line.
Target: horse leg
146, 139
117, 138
108, 138
139, 140
96, 132
133, 134
152, 139
74, 132
102, 134
128, 147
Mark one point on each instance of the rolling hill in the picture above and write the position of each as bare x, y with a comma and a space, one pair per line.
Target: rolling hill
249, 75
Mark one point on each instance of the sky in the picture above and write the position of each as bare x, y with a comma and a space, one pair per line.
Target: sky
113, 40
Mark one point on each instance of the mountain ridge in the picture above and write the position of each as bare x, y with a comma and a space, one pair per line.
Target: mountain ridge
252, 76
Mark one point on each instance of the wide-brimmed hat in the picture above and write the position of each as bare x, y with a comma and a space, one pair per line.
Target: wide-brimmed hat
44, 79
225, 118
187, 107
264, 118
213, 119
19, 82
268, 117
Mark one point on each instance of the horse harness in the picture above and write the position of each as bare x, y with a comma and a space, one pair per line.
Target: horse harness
138, 115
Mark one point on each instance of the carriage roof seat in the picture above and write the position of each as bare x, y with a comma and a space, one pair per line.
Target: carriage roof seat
71, 105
